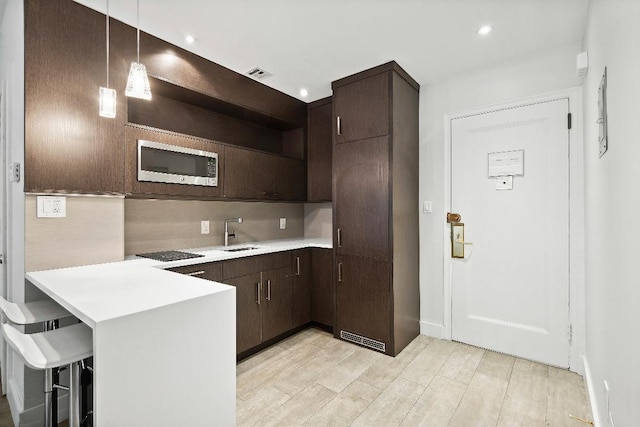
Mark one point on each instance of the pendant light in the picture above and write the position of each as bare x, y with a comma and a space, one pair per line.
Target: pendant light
107, 96
138, 81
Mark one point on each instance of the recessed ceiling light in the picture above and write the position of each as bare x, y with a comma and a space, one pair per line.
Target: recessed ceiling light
190, 39
485, 29
304, 93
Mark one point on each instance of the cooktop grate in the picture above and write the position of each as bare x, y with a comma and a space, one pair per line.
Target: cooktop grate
166, 256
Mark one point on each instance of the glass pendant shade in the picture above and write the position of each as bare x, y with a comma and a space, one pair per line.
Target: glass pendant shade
107, 102
138, 82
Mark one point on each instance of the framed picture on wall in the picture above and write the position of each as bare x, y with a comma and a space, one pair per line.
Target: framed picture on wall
602, 114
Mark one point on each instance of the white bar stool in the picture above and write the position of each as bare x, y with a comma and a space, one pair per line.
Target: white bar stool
32, 312
53, 349
48, 313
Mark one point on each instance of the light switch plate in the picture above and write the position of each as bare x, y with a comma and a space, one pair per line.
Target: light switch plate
283, 223
51, 206
426, 206
204, 227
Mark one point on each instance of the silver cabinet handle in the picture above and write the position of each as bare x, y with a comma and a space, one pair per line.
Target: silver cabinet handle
339, 125
268, 290
339, 238
297, 266
196, 273
339, 272
259, 292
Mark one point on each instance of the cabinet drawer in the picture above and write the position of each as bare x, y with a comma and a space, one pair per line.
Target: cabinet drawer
255, 264
210, 271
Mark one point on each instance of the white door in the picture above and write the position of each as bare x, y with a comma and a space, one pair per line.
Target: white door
510, 293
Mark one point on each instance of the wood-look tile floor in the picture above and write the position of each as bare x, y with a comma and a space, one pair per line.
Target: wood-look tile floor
313, 379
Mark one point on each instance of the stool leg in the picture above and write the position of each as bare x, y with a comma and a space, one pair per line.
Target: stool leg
52, 377
74, 395
48, 398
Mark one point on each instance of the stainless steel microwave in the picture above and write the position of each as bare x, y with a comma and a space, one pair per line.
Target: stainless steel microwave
176, 165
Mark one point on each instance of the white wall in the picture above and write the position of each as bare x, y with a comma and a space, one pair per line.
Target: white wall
536, 74
12, 81
612, 39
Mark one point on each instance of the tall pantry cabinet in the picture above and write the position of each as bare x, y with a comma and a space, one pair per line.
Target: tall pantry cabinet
375, 200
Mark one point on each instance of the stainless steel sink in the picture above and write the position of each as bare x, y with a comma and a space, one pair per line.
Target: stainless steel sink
244, 248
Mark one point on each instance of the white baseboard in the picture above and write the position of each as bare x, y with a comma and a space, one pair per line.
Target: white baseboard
34, 417
591, 395
431, 329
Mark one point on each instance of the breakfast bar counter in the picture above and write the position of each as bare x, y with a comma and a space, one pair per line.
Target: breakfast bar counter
164, 343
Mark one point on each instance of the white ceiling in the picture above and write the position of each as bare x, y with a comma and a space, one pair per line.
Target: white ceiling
309, 43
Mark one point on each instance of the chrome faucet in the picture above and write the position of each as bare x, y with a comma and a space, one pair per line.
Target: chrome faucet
226, 229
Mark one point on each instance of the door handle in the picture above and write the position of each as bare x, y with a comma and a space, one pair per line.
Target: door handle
258, 292
339, 238
457, 240
338, 125
196, 273
297, 266
339, 272
268, 290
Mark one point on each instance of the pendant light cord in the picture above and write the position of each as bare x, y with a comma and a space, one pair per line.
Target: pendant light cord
138, 25
107, 43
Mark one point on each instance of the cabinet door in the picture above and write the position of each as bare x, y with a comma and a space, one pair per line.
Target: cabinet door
260, 176
248, 311
319, 153
301, 291
67, 146
276, 311
322, 286
362, 198
210, 271
363, 298
362, 108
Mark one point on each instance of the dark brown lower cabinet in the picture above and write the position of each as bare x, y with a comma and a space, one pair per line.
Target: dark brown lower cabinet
248, 311
301, 286
210, 271
276, 302
322, 286
363, 298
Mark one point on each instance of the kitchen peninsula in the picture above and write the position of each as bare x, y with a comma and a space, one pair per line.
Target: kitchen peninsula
164, 343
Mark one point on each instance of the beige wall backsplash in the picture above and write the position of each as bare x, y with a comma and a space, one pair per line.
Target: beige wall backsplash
157, 225
318, 220
91, 233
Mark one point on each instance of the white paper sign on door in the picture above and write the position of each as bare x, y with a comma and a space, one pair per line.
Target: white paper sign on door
506, 163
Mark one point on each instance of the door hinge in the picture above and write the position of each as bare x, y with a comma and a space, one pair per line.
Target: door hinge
15, 172
570, 332
569, 121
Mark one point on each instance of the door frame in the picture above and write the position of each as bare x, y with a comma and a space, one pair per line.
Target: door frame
576, 215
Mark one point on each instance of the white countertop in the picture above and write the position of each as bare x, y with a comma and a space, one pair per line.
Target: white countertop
101, 292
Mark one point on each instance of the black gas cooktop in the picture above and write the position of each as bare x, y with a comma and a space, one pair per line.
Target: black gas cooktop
169, 255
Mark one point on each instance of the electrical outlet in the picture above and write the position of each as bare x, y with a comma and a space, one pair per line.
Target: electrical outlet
204, 227
283, 223
51, 206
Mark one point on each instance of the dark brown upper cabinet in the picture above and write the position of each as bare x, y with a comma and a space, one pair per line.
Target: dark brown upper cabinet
319, 151
361, 108
254, 175
375, 190
68, 146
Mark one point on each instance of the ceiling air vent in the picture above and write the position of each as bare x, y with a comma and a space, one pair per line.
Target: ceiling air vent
258, 73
